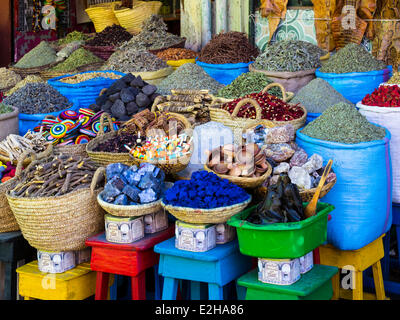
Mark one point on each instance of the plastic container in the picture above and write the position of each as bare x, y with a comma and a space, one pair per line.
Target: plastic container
83, 93
281, 240
355, 85
224, 73
29, 121
362, 194
312, 117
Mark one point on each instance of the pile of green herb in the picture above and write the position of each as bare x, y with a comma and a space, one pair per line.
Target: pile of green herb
78, 58
290, 56
247, 83
318, 95
73, 36
189, 76
43, 54
352, 58
343, 123
5, 108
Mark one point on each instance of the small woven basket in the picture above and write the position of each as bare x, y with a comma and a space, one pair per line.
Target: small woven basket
61, 223
103, 52
180, 44
217, 215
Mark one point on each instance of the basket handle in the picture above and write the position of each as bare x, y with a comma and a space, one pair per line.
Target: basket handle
21, 160
100, 172
156, 102
243, 102
276, 84
110, 122
102, 91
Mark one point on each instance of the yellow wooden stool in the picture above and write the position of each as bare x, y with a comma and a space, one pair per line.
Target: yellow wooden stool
75, 284
357, 261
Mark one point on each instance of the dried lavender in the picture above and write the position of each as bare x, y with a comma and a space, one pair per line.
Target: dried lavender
318, 95
189, 76
289, 55
36, 98
134, 60
352, 58
43, 54
343, 123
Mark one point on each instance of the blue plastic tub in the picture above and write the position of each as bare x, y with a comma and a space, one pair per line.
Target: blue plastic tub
84, 93
224, 73
355, 85
29, 121
312, 116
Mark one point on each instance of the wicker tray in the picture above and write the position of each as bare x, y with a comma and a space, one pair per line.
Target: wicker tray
23, 72
178, 45
103, 52
217, 215
46, 74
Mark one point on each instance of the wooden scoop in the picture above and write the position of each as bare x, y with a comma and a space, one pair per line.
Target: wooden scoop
311, 208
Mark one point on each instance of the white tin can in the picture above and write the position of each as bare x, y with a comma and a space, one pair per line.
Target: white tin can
55, 262
279, 271
124, 229
306, 262
195, 237
224, 233
155, 222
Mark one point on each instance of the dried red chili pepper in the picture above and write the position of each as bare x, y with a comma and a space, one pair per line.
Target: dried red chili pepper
383, 96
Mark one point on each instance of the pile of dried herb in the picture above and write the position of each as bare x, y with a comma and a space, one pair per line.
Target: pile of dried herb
229, 47
395, 79
111, 36
154, 35
343, 123
8, 78
352, 58
318, 95
29, 79
36, 98
134, 60
247, 83
5, 108
43, 54
189, 76
290, 56
73, 36
78, 58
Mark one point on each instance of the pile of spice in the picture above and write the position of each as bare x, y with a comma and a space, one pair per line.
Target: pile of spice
290, 56
189, 76
343, 123
36, 98
383, 96
126, 97
82, 77
229, 47
71, 127
133, 185
395, 79
111, 36
8, 78
131, 59
28, 79
73, 36
7, 171
176, 54
43, 54
352, 58
205, 190
318, 95
272, 108
246, 83
154, 35
5, 108
117, 144
78, 58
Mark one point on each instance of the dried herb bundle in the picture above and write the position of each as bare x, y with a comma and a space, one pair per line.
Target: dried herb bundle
229, 47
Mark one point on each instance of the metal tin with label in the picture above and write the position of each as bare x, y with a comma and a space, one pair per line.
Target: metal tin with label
124, 229
224, 233
306, 262
279, 271
82, 256
155, 222
195, 237
55, 262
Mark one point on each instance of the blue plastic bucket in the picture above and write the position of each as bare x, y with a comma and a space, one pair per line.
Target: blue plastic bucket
355, 85
224, 73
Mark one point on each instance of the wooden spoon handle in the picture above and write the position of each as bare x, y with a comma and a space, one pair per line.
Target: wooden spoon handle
323, 177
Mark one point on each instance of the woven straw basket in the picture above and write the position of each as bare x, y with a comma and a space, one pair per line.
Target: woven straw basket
103, 52
217, 215
60, 223
46, 74
103, 15
23, 72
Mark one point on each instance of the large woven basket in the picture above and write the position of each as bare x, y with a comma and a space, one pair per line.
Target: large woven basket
103, 52
47, 74
244, 182
23, 72
72, 150
217, 215
60, 223
103, 15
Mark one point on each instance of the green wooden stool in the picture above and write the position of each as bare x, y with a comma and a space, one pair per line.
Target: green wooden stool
316, 284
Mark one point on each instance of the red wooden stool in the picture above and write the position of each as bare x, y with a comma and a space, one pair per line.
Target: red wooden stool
130, 259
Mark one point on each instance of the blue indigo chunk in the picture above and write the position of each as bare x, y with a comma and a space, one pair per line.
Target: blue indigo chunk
115, 169
121, 200
132, 192
147, 196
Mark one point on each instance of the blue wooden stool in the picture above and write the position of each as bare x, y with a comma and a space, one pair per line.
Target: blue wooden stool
217, 267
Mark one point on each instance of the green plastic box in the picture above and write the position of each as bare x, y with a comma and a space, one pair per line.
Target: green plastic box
281, 240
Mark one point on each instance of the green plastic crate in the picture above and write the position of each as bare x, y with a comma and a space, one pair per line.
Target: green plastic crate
281, 240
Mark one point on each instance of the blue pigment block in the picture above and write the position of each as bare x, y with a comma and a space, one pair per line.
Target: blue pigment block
117, 182
110, 191
129, 176
147, 196
132, 192
121, 200
115, 169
